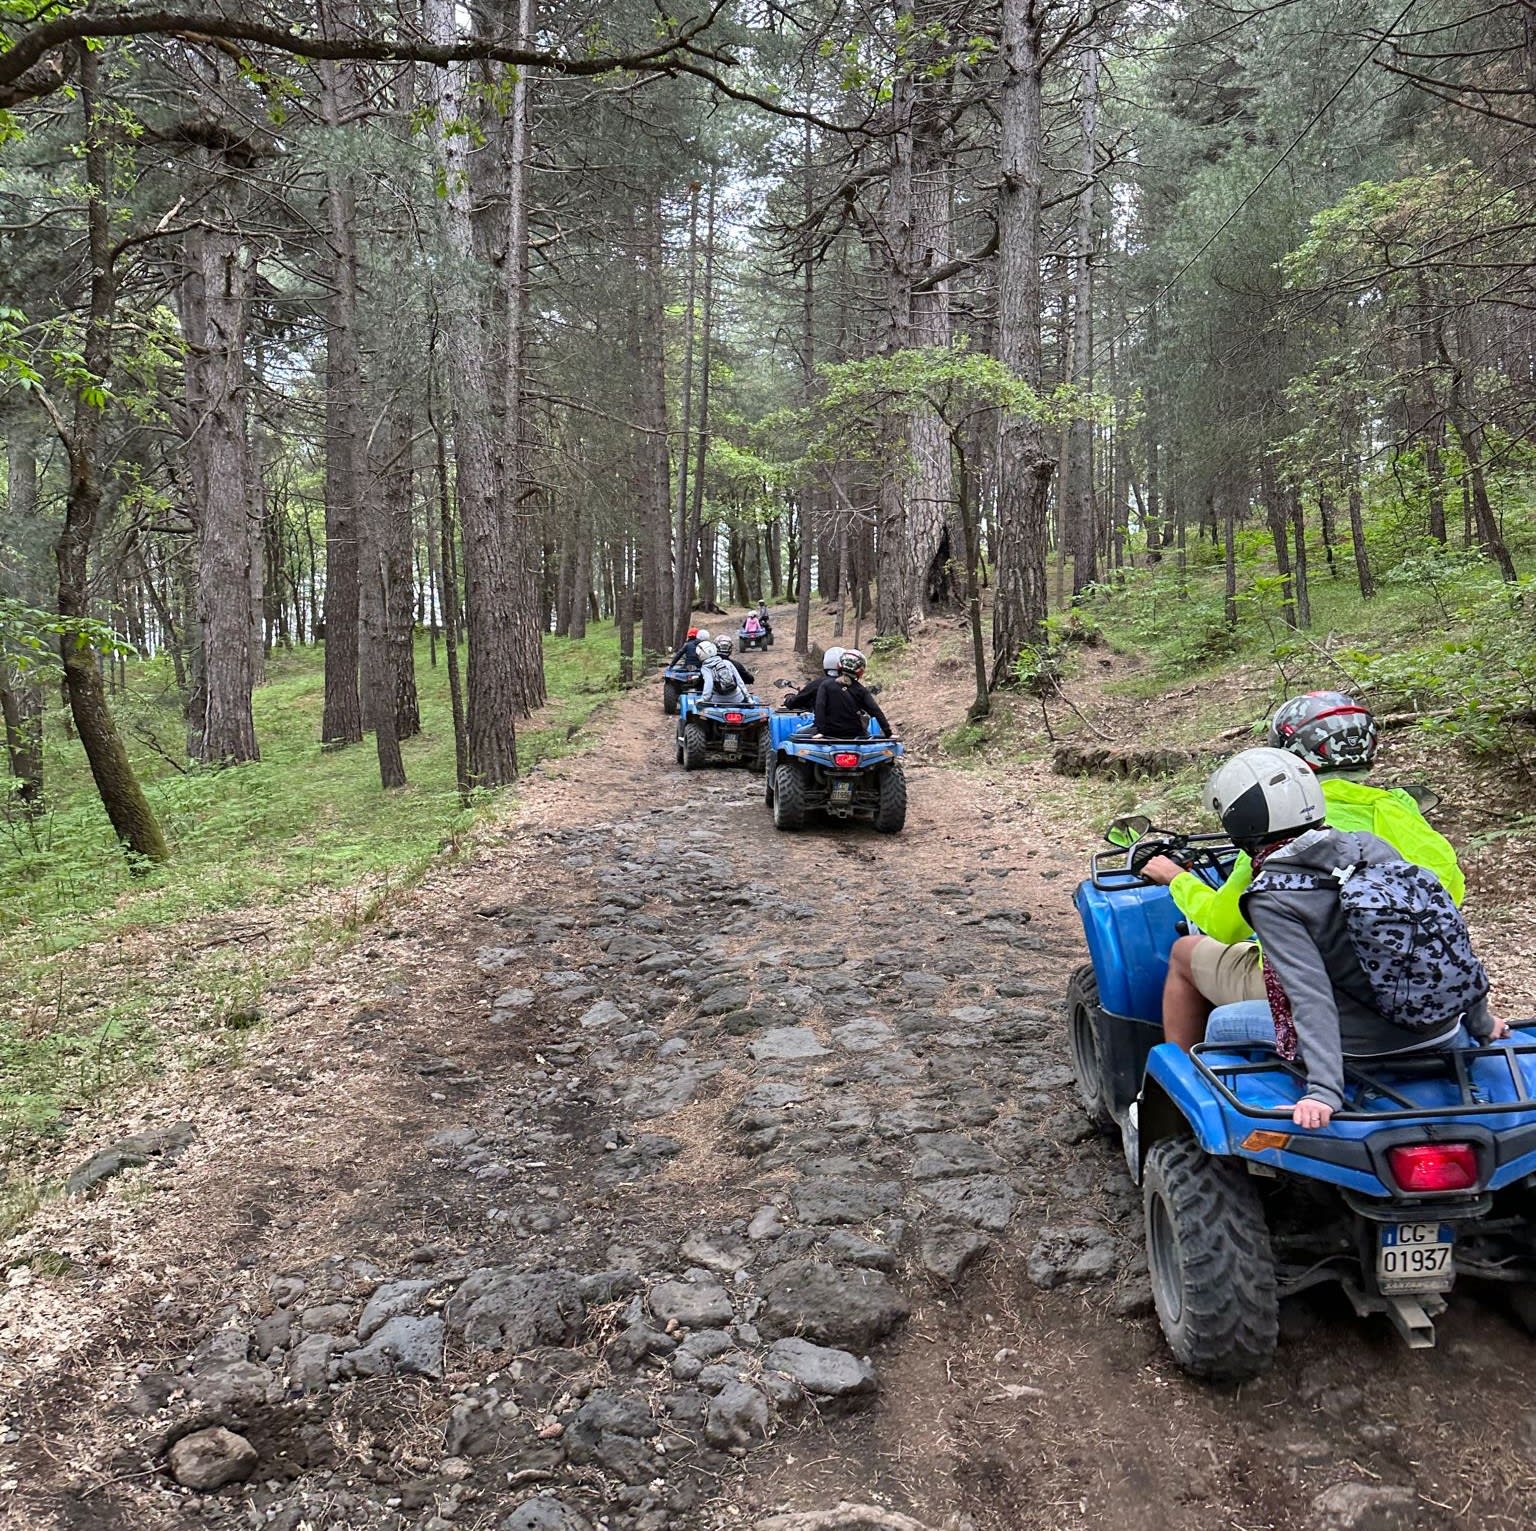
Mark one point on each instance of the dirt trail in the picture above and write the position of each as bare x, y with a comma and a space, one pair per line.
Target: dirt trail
531, 1192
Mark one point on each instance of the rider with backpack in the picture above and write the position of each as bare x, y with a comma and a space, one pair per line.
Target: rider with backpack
722, 681
1337, 738
1365, 954
726, 652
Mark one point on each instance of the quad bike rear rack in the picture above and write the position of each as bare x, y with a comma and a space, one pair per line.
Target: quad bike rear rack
1362, 1081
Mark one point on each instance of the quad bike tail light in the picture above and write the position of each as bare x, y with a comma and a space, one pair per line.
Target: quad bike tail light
733, 718
1434, 1166
846, 761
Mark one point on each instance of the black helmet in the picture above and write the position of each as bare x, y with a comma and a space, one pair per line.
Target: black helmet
851, 662
1330, 731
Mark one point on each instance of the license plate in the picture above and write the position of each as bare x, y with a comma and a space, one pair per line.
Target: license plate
730, 744
1416, 1257
842, 792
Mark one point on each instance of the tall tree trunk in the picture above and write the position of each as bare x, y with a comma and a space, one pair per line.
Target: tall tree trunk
1354, 499
654, 552
217, 284
1298, 519
395, 481
518, 489
684, 544
21, 702
342, 716
21, 695
448, 592
1469, 434
493, 584
121, 795
1082, 522
930, 488
1276, 513
696, 514
1024, 469
581, 572
1228, 549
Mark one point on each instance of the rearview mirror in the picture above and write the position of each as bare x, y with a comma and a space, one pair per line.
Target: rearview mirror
785, 685
875, 689
1126, 831
1424, 795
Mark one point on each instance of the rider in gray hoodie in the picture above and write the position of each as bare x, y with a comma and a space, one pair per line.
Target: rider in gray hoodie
1269, 802
1308, 947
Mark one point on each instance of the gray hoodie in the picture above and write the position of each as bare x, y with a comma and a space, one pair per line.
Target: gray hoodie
722, 683
1308, 948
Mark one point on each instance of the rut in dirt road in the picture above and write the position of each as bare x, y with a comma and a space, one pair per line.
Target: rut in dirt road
665, 1171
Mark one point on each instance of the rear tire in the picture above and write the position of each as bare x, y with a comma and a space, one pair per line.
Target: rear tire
1084, 1029
694, 747
788, 797
891, 811
669, 695
759, 762
1212, 1267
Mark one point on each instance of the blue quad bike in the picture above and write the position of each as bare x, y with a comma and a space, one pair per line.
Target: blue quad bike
1429, 1173
843, 778
722, 732
677, 680
762, 639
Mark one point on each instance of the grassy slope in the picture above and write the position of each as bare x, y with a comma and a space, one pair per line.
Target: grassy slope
107, 976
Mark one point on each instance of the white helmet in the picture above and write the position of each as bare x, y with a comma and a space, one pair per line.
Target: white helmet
703, 635
706, 650
1264, 795
830, 659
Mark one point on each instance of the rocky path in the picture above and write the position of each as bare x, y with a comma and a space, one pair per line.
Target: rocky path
660, 1172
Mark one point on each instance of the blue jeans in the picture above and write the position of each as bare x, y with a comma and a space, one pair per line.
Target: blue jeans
1250, 1021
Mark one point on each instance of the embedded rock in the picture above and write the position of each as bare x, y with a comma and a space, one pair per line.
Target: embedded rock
208, 1459
818, 1301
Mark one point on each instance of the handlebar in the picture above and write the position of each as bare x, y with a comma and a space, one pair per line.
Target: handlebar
1209, 856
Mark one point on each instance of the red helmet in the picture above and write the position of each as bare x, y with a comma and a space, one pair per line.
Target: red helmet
693, 632
1330, 731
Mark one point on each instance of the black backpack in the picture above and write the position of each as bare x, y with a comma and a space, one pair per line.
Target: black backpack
1408, 936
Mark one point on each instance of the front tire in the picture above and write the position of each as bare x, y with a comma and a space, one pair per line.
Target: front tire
788, 797
1084, 1033
1212, 1267
694, 747
891, 811
669, 694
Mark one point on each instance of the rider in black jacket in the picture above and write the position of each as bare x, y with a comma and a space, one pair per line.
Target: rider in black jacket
843, 702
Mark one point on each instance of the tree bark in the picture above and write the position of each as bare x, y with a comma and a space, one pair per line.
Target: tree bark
21, 696
1024, 469
217, 284
492, 582
930, 487
342, 716
1082, 525
121, 794
519, 519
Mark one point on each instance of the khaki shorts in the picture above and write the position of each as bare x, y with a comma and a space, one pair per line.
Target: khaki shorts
1227, 975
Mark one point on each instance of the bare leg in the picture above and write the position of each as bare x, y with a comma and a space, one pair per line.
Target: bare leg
1185, 1008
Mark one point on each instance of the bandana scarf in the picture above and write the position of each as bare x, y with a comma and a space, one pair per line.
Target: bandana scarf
1286, 1040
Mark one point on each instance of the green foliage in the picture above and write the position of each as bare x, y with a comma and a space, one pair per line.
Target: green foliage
1043, 665
29, 638
111, 976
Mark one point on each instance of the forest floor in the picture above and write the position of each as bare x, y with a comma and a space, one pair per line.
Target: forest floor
510, 1215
